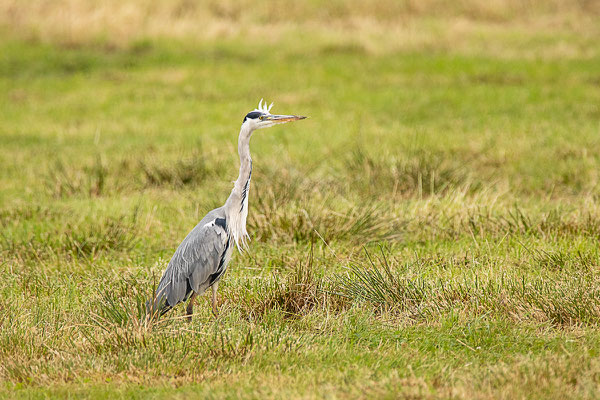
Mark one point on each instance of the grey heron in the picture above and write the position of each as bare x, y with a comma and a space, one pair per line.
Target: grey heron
202, 257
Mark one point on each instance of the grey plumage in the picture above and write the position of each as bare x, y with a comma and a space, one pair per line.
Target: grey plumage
198, 262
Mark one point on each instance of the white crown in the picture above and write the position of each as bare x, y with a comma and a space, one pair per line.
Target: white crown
263, 107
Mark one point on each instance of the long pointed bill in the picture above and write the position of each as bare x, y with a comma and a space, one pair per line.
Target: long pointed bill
280, 119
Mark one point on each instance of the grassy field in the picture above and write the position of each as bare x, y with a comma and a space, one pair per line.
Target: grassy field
430, 232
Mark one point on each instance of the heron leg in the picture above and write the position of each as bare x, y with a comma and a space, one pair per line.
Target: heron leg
214, 298
190, 307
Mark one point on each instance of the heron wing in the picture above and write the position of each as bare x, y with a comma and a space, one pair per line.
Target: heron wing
196, 264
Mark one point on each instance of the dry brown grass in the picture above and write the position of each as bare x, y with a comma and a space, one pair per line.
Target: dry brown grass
375, 25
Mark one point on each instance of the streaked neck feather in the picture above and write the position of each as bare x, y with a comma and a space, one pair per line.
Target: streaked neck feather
236, 207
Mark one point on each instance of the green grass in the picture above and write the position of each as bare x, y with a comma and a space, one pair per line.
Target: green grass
430, 232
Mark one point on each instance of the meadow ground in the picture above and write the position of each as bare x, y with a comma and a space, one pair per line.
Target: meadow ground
430, 232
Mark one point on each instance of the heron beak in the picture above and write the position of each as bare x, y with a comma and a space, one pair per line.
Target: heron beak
279, 119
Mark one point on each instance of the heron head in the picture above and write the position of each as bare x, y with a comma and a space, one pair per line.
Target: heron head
261, 117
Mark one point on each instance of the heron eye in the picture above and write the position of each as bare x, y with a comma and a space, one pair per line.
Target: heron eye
261, 117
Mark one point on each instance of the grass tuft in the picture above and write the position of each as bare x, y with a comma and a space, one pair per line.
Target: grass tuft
187, 171
85, 240
62, 182
297, 293
422, 173
573, 301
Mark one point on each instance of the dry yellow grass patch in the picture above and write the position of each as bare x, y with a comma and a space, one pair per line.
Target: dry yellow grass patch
377, 26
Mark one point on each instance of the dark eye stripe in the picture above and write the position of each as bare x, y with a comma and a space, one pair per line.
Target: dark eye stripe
252, 115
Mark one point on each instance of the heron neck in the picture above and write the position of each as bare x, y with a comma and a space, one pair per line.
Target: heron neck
236, 206
243, 181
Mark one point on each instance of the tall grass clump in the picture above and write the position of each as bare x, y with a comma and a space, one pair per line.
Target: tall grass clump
119, 319
188, 171
420, 173
302, 224
295, 207
62, 181
109, 234
573, 300
85, 239
296, 293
